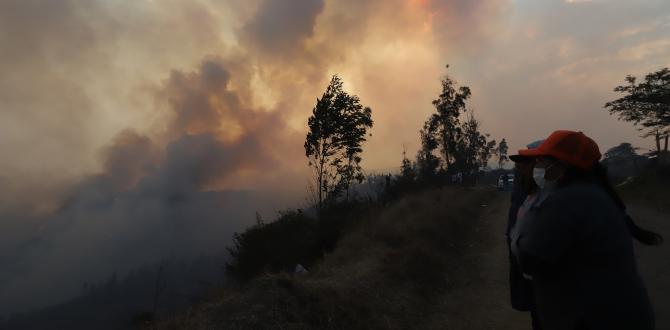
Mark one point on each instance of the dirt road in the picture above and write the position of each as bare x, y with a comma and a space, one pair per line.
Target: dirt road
483, 302
654, 262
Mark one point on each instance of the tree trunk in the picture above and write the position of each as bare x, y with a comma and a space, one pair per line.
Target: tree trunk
658, 144
320, 184
664, 156
349, 175
346, 184
445, 144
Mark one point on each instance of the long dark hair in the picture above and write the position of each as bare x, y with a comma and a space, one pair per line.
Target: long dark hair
598, 174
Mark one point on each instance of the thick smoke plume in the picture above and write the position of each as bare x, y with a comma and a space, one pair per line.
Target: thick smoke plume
150, 201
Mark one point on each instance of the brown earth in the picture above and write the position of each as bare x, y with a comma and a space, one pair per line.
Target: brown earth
654, 261
433, 261
482, 303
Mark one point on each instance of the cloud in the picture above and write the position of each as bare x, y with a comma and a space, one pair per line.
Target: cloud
279, 27
559, 76
642, 51
75, 74
466, 25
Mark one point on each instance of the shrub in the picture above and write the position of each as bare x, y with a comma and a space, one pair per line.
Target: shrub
294, 238
273, 247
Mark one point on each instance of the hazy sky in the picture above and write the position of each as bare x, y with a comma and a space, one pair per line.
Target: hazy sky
77, 73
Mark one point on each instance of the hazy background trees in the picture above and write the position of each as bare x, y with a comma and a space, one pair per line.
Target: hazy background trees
427, 162
444, 124
623, 162
621, 152
474, 149
501, 152
463, 149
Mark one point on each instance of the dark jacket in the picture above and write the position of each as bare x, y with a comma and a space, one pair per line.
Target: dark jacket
577, 247
521, 291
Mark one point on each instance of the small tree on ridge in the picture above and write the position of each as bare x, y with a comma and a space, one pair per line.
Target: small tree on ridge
337, 128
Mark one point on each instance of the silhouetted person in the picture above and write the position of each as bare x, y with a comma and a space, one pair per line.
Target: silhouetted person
575, 242
523, 192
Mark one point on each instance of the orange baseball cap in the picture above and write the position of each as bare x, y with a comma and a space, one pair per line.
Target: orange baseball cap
574, 148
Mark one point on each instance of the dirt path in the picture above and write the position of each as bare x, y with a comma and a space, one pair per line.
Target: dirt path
482, 301
654, 262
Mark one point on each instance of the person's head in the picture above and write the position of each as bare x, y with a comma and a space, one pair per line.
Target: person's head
523, 175
523, 170
561, 153
567, 156
549, 172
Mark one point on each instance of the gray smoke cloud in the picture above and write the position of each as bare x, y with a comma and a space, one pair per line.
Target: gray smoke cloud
279, 27
72, 211
150, 200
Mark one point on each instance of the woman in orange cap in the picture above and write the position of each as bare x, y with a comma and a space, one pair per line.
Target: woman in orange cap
523, 193
574, 241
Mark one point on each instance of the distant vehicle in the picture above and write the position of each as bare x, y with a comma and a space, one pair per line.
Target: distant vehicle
506, 182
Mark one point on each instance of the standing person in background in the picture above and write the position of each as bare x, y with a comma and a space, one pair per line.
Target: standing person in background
575, 242
521, 291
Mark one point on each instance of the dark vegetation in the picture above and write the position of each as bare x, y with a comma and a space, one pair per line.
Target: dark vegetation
640, 179
452, 146
333, 145
647, 105
389, 271
293, 239
623, 162
337, 129
650, 188
132, 300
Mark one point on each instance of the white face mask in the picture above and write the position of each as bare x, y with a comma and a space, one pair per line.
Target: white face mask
538, 176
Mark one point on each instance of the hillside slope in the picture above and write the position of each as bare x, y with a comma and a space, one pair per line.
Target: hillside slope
432, 260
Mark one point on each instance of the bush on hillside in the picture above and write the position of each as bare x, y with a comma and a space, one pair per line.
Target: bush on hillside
294, 238
272, 247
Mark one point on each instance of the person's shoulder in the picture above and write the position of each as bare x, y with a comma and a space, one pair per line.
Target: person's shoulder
582, 192
575, 201
578, 188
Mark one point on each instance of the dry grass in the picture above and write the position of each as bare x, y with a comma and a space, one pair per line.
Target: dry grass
386, 274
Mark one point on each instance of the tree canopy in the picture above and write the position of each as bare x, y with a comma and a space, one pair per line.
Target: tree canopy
622, 151
444, 124
337, 128
501, 152
646, 104
462, 146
